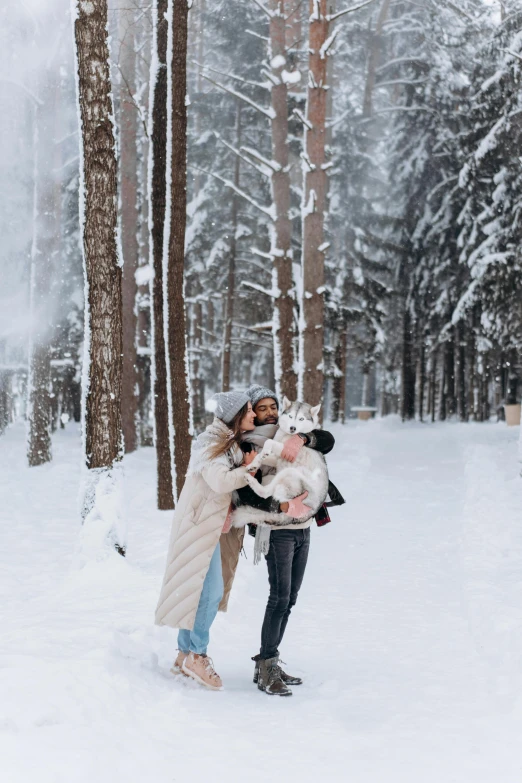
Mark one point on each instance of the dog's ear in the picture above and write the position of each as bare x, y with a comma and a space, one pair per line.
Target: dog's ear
315, 411
286, 404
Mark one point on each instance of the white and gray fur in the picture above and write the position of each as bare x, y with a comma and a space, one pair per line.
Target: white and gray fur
288, 480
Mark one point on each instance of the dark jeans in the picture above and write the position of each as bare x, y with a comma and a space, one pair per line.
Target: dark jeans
286, 561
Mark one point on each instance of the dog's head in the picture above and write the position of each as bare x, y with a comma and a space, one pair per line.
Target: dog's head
296, 417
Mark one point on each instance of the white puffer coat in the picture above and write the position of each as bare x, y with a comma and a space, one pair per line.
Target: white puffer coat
196, 529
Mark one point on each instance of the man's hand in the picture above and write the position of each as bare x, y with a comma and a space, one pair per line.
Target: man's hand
296, 507
292, 447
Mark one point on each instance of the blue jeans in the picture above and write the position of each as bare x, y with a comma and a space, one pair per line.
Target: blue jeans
196, 640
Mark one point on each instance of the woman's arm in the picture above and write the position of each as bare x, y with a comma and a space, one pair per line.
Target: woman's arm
221, 479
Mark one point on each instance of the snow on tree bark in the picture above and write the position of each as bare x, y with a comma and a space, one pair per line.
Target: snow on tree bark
102, 379
231, 276
175, 223
129, 227
157, 198
311, 334
284, 321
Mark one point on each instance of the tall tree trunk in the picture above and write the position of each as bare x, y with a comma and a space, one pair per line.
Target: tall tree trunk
450, 378
43, 265
157, 200
231, 277
471, 362
460, 372
422, 379
179, 396
129, 228
339, 381
365, 392
433, 384
373, 58
443, 398
283, 321
103, 275
5, 399
197, 386
198, 403
408, 370
311, 317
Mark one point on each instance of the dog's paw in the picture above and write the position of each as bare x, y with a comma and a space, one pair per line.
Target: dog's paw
267, 448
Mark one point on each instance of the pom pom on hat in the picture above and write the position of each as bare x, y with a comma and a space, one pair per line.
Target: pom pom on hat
225, 405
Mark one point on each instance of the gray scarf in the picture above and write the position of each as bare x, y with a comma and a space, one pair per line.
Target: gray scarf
258, 437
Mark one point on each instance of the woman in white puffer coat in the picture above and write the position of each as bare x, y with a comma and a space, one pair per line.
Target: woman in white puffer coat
204, 550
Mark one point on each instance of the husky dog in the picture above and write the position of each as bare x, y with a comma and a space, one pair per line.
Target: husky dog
308, 472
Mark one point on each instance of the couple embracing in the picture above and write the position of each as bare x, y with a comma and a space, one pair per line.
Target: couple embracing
217, 499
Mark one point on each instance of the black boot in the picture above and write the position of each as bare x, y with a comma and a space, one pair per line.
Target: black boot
284, 676
269, 679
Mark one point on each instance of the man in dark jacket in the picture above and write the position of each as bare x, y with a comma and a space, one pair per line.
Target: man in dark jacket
288, 547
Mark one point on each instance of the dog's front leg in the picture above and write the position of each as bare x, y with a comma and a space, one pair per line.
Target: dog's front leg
258, 488
268, 455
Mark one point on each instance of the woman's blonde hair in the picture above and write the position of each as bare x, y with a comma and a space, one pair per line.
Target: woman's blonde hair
226, 443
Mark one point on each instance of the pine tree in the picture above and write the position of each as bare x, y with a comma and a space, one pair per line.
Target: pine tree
103, 439
129, 224
157, 200
174, 243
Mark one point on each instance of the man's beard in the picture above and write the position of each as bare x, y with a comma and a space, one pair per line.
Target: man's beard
269, 420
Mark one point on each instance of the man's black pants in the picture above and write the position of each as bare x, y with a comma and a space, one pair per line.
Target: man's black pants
286, 561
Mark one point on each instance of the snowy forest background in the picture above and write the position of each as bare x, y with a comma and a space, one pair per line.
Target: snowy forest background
357, 245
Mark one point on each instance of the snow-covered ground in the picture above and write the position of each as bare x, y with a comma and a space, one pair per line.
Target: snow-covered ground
408, 629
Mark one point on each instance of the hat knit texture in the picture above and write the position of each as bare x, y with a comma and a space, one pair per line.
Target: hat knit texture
225, 405
257, 392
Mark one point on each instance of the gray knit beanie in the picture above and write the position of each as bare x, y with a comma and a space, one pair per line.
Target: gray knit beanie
257, 392
225, 405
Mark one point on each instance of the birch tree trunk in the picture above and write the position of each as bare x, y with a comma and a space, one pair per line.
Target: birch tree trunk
283, 321
157, 197
129, 228
174, 304
102, 379
311, 336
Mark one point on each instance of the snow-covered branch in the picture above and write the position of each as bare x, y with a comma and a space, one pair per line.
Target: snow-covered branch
267, 112
333, 17
273, 294
233, 76
266, 172
271, 164
266, 210
300, 116
265, 10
